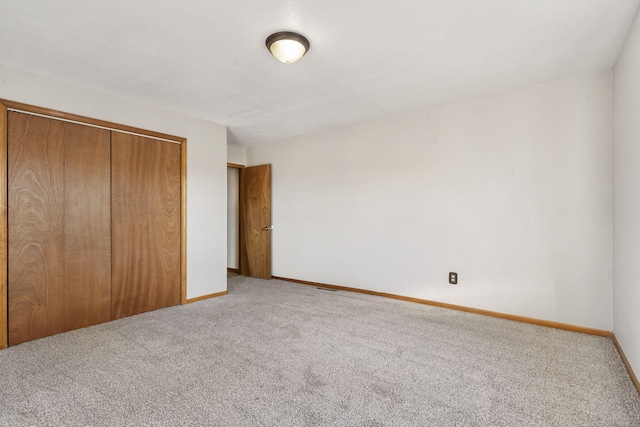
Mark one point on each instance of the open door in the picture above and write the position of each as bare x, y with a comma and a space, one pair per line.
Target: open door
255, 221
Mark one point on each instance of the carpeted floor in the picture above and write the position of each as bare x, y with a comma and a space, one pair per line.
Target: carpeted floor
272, 353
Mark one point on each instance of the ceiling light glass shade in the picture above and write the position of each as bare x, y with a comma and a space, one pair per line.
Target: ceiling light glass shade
287, 47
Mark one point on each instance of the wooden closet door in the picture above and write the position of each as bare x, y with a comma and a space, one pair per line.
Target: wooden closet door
87, 226
57, 225
146, 203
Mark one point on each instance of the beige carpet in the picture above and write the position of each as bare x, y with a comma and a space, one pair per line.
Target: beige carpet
272, 353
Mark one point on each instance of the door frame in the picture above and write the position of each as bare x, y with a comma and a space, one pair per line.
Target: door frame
59, 115
4, 313
235, 166
241, 206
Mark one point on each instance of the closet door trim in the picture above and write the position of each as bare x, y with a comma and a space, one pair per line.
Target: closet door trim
55, 114
83, 120
4, 326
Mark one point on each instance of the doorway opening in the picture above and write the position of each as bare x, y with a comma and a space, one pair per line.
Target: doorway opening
249, 220
233, 220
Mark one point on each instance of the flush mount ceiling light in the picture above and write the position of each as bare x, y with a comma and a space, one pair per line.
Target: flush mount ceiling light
287, 47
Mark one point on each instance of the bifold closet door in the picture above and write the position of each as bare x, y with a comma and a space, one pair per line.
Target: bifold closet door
146, 213
59, 252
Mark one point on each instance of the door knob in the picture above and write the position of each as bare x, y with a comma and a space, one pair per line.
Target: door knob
268, 228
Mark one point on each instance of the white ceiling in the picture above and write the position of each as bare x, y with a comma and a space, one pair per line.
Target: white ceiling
368, 58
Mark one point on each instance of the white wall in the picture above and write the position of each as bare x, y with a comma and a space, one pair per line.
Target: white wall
206, 162
233, 217
626, 196
237, 155
511, 191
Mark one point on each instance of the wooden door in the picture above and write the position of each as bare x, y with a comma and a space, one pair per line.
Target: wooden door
58, 226
146, 235
255, 221
87, 226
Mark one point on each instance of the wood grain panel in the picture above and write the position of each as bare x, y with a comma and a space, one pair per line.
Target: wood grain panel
255, 215
165, 190
3, 227
87, 228
146, 224
35, 227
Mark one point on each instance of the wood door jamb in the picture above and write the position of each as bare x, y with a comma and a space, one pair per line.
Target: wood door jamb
55, 114
4, 313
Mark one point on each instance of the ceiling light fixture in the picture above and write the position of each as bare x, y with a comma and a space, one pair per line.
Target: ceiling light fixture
287, 47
